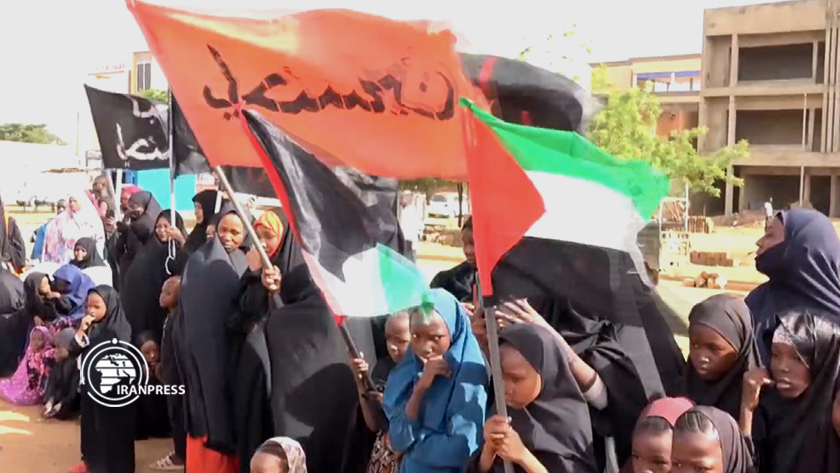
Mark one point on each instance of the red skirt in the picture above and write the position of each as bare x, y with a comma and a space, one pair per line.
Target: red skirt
201, 459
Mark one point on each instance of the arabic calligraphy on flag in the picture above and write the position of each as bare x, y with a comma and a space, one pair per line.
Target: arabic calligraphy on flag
384, 103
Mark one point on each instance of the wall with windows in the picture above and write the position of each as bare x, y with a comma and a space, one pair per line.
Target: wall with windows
146, 73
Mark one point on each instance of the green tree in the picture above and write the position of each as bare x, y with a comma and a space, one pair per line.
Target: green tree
25, 133
157, 95
626, 127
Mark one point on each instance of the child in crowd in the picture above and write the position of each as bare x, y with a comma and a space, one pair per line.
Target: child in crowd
152, 418
61, 398
653, 434
708, 439
279, 455
383, 459
26, 387
167, 373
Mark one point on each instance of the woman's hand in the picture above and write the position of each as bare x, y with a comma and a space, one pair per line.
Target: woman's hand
39, 322
53, 296
434, 367
754, 380
175, 234
520, 311
271, 279
505, 440
360, 369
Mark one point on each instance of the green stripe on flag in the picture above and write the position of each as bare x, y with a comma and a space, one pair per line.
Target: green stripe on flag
403, 284
569, 154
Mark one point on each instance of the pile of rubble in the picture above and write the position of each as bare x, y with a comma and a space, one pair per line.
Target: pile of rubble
706, 280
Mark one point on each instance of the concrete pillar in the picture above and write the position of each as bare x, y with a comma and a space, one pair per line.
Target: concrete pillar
806, 191
729, 198
832, 202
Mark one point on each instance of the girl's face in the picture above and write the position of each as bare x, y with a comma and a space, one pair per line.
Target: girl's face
268, 239
430, 336
36, 341
267, 463
231, 232
161, 229
95, 306
469, 244
150, 352
790, 373
44, 288
774, 234
522, 382
397, 337
710, 354
169, 293
652, 452
199, 213
79, 253
135, 209
74, 204
693, 452
211, 231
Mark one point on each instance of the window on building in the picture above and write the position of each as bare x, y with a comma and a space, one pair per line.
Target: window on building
144, 76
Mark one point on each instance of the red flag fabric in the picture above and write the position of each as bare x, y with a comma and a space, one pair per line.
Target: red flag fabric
357, 90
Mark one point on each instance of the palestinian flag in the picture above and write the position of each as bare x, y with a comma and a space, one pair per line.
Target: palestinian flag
537, 188
346, 233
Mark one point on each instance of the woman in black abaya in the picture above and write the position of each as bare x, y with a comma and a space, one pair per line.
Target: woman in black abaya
205, 212
15, 321
459, 280
107, 432
142, 212
144, 279
313, 394
209, 287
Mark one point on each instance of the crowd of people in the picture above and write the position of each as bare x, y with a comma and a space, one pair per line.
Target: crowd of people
270, 387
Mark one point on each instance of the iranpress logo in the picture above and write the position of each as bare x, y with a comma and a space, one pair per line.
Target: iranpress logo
123, 375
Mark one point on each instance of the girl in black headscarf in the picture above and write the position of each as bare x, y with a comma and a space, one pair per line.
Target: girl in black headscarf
209, 287
85, 254
107, 432
792, 403
800, 254
142, 212
62, 394
708, 439
723, 348
12, 246
205, 212
151, 267
549, 423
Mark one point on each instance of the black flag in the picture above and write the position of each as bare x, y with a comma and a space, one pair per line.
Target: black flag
189, 158
132, 131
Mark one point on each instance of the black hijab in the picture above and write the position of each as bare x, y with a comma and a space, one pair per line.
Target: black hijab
804, 272
737, 454
143, 281
209, 288
313, 396
92, 258
33, 301
730, 317
150, 210
597, 343
198, 236
800, 435
555, 427
114, 324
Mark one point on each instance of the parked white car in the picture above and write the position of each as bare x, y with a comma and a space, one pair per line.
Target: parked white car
445, 205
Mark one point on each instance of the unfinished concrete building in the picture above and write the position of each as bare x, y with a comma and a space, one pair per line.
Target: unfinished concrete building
769, 78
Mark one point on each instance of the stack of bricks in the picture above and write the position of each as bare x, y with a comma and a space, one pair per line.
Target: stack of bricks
711, 258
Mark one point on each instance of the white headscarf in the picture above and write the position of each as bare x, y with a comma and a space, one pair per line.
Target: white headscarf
69, 227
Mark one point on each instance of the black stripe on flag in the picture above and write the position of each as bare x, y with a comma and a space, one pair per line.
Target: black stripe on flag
336, 213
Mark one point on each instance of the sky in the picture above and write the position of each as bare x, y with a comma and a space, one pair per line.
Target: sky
50, 45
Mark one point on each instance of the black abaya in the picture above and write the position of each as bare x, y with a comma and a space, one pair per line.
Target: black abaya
139, 231
17, 321
459, 281
12, 246
143, 281
107, 432
209, 287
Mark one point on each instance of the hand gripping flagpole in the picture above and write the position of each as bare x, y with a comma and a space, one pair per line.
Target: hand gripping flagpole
173, 249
